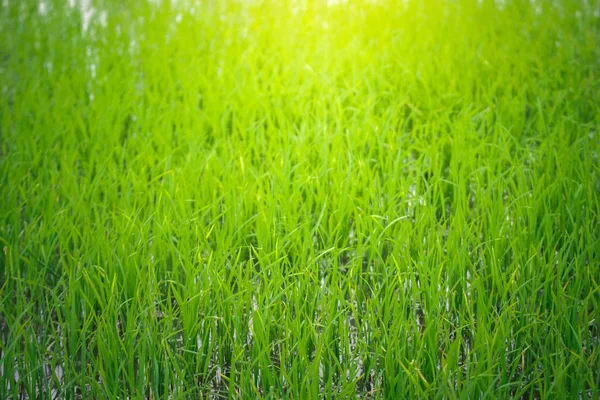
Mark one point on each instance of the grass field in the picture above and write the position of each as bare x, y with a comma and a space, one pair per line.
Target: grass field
299, 199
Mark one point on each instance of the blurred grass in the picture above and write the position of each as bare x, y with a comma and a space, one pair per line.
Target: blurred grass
299, 199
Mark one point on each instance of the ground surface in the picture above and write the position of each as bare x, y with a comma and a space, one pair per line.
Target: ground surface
299, 199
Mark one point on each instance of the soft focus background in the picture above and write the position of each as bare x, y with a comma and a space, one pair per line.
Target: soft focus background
299, 199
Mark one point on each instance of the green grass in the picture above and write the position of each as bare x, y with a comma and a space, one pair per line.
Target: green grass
289, 199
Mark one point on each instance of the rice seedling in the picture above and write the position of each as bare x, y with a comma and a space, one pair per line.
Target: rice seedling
299, 199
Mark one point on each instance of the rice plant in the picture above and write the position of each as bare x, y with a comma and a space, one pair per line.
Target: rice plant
299, 199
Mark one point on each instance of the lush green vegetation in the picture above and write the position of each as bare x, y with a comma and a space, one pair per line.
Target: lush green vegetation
299, 199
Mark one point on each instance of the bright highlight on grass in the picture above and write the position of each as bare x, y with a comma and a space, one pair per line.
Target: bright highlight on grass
299, 199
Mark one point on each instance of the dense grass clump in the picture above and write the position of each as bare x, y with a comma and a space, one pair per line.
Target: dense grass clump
299, 199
